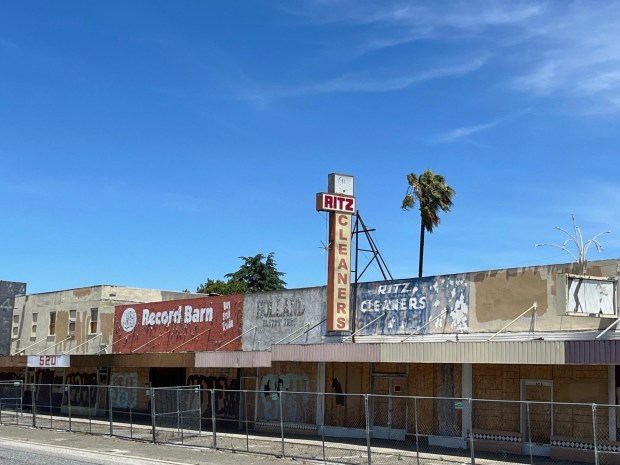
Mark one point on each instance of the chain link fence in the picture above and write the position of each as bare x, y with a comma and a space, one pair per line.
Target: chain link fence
11, 395
328, 427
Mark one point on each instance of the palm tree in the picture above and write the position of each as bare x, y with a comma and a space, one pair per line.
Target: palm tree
433, 194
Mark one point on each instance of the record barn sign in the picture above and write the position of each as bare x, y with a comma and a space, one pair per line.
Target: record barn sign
197, 324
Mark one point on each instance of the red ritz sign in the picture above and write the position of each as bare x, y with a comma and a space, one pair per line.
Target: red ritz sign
335, 203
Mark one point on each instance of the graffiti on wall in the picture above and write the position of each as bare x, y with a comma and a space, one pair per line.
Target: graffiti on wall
82, 390
226, 401
10, 376
337, 389
294, 406
436, 304
123, 392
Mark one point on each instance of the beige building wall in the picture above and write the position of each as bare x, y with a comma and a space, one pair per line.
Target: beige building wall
499, 296
74, 330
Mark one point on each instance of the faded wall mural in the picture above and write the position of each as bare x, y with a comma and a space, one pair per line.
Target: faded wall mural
123, 392
406, 305
281, 317
296, 399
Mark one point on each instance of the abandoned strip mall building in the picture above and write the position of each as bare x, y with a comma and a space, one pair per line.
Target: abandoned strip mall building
544, 333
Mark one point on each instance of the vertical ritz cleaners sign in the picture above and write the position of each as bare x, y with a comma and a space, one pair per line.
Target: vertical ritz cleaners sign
340, 204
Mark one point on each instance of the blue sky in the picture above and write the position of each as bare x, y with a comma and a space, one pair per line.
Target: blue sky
151, 144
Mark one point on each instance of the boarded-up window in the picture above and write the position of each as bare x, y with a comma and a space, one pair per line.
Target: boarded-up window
94, 317
52, 327
591, 296
33, 328
72, 317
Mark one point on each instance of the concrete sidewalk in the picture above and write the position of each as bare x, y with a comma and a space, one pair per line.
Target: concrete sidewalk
157, 453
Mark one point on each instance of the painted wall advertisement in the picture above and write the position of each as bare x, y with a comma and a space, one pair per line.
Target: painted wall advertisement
437, 304
203, 324
293, 316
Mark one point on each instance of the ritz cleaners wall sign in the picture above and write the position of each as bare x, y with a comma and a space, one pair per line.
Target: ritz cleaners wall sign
340, 203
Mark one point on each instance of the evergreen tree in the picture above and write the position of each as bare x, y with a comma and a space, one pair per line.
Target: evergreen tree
256, 274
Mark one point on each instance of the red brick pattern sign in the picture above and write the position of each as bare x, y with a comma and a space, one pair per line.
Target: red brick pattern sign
203, 324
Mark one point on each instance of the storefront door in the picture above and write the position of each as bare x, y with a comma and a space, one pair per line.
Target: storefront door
389, 412
537, 416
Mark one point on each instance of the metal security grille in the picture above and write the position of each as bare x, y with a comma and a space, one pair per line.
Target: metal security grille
176, 412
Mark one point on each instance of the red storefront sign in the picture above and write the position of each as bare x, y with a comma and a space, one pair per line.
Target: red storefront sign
189, 325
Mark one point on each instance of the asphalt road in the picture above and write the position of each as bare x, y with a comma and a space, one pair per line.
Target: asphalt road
31, 446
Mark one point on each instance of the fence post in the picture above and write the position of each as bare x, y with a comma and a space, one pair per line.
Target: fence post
367, 414
153, 414
322, 407
417, 433
179, 413
213, 418
109, 395
281, 421
51, 409
471, 431
33, 390
68, 391
245, 417
21, 398
90, 406
529, 431
198, 393
130, 391
594, 434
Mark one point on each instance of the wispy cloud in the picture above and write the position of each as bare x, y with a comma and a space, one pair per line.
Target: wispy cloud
365, 82
7, 44
576, 56
399, 22
569, 51
455, 14
465, 131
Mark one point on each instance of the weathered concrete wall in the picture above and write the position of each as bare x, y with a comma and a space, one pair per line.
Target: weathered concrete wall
32, 318
409, 304
8, 291
207, 323
499, 296
269, 317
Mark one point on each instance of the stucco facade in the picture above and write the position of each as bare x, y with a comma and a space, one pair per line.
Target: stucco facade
74, 321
